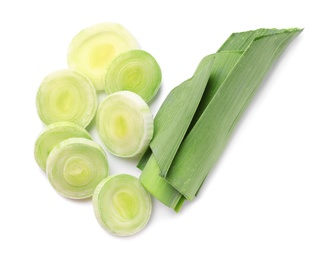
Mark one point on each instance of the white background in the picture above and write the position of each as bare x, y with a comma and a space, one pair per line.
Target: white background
270, 196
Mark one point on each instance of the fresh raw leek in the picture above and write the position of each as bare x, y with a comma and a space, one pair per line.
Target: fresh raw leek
66, 95
125, 124
159, 187
52, 135
121, 204
237, 70
189, 93
94, 48
76, 166
136, 71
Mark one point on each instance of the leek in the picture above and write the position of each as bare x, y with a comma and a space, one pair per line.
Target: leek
66, 95
237, 71
166, 119
94, 48
52, 135
121, 205
136, 71
159, 187
76, 166
125, 124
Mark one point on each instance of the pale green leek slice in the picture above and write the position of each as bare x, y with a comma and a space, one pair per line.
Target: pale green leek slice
52, 135
76, 166
136, 71
66, 95
125, 124
235, 76
94, 48
121, 204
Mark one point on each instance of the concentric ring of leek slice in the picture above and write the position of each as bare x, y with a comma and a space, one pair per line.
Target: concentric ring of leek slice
52, 135
136, 71
76, 166
93, 49
122, 205
66, 95
125, 124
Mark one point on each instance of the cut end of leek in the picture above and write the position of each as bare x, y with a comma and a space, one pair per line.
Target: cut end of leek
94, 48
66, 95
121, 204
136, 71
158, 187
125, 124
52, 135
76, 166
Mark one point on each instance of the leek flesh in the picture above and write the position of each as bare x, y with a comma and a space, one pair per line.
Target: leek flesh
52, 135
136, 71
121, 204
76, 166
93, 49
66, 95
125, 124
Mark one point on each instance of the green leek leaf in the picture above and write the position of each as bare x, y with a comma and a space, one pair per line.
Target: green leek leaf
239, 67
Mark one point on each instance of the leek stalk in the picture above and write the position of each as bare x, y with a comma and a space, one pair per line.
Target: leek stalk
238, 69
93, 49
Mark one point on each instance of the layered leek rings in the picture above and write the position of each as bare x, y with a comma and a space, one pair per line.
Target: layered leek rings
94, 48
52, 135
136, 71
125, 124
66, 95
122, 205
76, 166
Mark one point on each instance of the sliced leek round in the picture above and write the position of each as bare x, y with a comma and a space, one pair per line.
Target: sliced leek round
52, 135
136, 71
66, 95
122, 206
125, 124
76, 166
92, 50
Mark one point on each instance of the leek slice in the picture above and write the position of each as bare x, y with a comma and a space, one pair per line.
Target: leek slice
121, 204
52, 135
66, 95
136, 71
125, 124
76, 166
238, 69
94, 48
